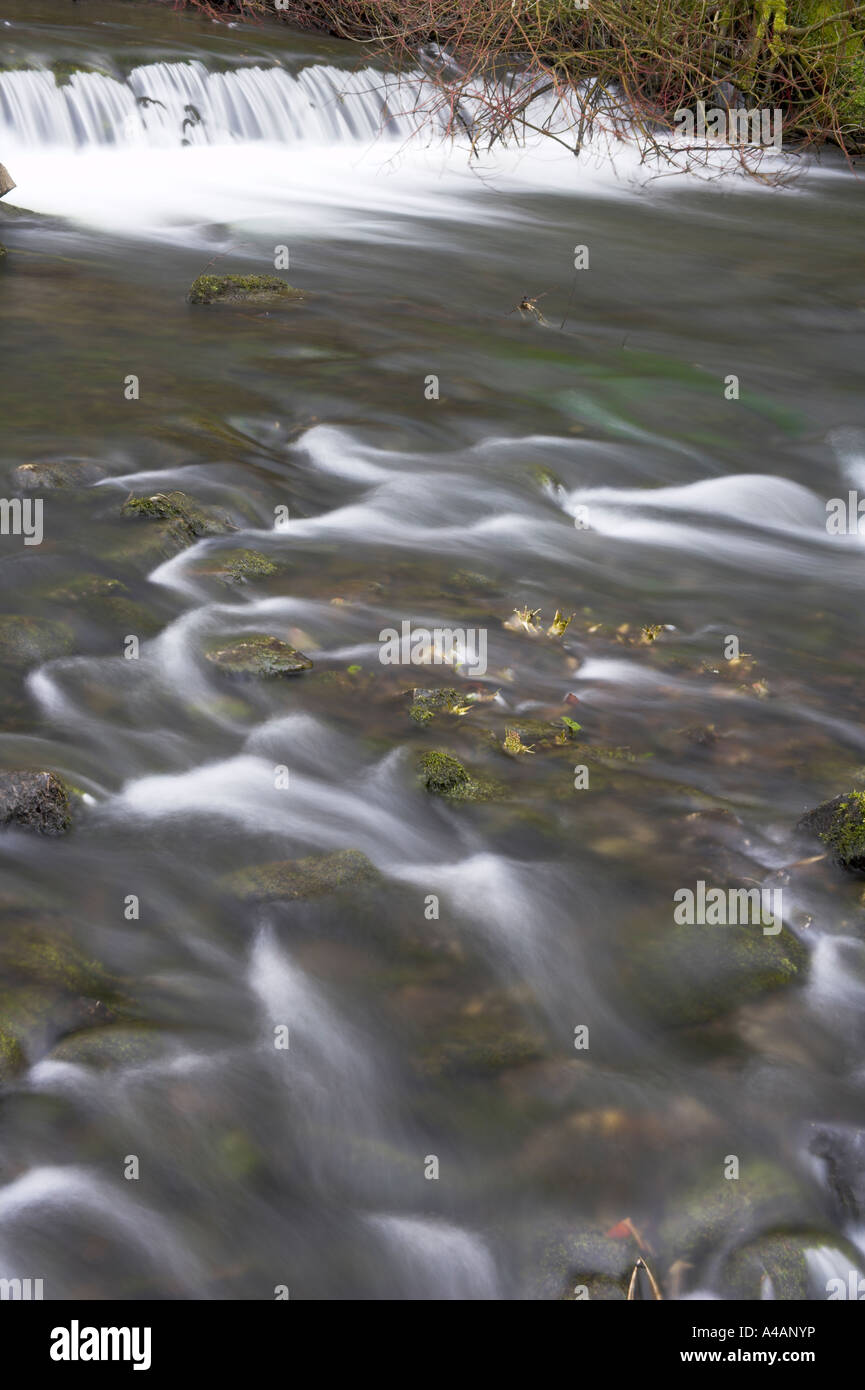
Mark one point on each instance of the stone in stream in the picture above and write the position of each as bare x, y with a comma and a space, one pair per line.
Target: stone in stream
840, 824
444, 775
49, 987
27, 641
236, 566
187, 519
57, 473
259, 656
567, 1265
689, 975
243, 289
35, 800
288, 880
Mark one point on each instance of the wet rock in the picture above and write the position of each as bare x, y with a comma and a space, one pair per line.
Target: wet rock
794, 1267
186, 518
63, 473
311, 877
115, 1045
426, 704
242, 289
26, 641
35, 800
237, 566
717, 1214
696, 973
573, 1265
7, 183
842, 1149
260, 656
444, 775
840, 824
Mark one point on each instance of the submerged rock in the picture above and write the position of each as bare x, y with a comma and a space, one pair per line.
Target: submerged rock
36, 800
311, 877
242, 289
187, 519
426, 704
444, 775
696, 973
62, 473
840, 824
237, 566
115, 1045
260, 656
573, 1265
26, 641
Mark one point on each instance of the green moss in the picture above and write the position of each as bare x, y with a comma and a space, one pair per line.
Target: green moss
12, 1059
426, 704
188, 519
696, 973
26, 641
242, 289
239, 566
781, 1257
292, 879
564, 1261
846, 834
35, 801
444, 775
259, 656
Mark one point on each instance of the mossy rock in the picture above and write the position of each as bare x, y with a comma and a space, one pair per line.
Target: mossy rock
782, 1258
718, 1212
187, 518
259, 656
840, 824
242, 289
237, 566
287, 880
26, 641
87, 586
569, 1266
697, 973
481, 1047
36, 801
114, 1045
426, 704
444, 775
58, 474
12, 1058
41, 953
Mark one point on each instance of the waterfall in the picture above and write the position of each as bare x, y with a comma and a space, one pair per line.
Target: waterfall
172, 104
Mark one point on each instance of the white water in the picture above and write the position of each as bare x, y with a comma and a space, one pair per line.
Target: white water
176, 148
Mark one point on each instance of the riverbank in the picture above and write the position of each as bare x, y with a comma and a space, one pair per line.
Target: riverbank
803, 59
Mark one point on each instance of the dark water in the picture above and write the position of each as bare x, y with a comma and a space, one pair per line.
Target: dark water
415, 1038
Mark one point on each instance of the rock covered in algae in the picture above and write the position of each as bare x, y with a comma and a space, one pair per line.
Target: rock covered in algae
259, 656
314, 876
242, 289
35, 800
444, 775
840, 824
187, 518
26, 641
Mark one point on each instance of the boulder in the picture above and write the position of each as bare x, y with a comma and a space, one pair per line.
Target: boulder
7, 183
35, 800
840, 824
57, 473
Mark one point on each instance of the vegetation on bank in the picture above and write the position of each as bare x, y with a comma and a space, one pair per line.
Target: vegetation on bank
654, 57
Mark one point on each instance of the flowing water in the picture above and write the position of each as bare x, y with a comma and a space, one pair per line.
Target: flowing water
431, 1130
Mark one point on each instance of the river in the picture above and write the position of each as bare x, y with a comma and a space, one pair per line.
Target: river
462, 1071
